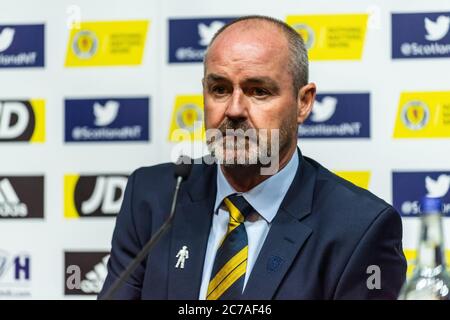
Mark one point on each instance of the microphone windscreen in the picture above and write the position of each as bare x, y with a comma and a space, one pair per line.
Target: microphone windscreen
183, 167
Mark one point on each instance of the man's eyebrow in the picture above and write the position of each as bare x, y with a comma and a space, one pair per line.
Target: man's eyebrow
212, 77
267, 81
263, 81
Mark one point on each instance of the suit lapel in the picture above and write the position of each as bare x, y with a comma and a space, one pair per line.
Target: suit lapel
192, 223
285, 238
190, 228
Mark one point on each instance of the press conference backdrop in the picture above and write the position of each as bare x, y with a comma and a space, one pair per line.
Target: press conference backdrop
91, 90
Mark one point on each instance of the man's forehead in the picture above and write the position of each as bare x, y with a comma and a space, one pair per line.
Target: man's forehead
247, 40
251, 27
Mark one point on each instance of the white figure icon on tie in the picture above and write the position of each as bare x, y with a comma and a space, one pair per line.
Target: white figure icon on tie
182, 255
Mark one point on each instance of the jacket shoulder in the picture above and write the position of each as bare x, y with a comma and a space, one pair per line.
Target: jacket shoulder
151, 174
344, 199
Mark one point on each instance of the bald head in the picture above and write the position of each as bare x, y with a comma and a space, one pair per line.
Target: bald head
274, 35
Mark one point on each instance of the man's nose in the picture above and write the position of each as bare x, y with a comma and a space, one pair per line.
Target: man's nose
237, 107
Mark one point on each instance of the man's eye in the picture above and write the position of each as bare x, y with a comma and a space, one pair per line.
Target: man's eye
260, 92
219, 90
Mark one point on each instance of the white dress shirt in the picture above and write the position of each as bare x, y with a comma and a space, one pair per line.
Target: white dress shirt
265, 198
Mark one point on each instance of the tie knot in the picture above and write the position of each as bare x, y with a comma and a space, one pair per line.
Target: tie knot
238, 207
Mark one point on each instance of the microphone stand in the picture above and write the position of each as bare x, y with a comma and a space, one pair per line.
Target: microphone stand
109, 295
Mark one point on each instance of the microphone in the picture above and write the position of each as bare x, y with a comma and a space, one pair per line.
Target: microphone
183, 168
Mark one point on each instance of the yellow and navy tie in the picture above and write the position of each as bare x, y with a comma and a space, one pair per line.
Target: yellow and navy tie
230, 263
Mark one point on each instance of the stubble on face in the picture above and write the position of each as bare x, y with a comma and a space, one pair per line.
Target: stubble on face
236, 143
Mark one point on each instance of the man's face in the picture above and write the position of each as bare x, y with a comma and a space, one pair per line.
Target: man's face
247, 85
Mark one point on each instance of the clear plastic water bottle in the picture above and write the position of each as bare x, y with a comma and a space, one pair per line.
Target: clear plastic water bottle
430, 280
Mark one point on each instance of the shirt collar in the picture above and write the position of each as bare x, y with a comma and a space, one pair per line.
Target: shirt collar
267, 196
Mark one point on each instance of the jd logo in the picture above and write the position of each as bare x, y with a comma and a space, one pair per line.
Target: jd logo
106, 197
94, 196
17, 121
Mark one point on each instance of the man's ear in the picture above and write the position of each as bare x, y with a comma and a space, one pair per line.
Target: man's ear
305, 101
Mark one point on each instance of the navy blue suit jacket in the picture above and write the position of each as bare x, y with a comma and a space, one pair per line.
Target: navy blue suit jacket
324, 237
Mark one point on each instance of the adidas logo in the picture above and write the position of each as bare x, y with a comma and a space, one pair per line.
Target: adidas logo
94, 279
10, 204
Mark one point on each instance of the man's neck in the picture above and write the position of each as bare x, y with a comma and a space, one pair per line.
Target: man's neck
243, 178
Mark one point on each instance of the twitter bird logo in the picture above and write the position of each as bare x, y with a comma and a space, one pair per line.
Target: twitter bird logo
6, 38
437, 188
206, 32
105, 115
324, 110
437, 30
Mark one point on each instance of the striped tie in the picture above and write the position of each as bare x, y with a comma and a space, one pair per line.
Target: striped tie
230, 264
